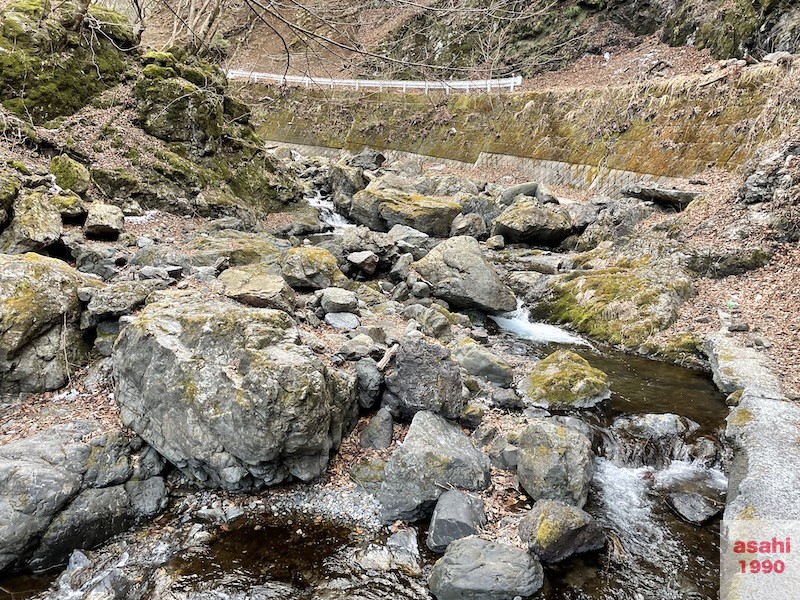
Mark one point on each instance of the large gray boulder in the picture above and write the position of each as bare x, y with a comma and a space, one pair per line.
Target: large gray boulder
309, 268
434, 456
39, 315
72, 486
555, 462
424, 377
476, 569
530, 221
460, 274
457, 515
115, 300
104, 221
554, 531
230, 396
381, 209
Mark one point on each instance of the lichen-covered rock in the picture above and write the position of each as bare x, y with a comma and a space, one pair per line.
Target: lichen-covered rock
434, 456
70, 174
238, 247
346, 181
338, 300
104, 221
555, 462
9, 187
72, 486
381, 209
309, 268
554, 531
115, 300
564, 380
460, 274
230, 397
471, 224
47, 70
35, 226
174, 109
258, 285
482, 362
69, 206
529, 220
476, 569
424, 377
39, 312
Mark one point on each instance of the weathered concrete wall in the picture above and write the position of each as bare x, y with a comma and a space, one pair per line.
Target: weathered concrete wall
597, 138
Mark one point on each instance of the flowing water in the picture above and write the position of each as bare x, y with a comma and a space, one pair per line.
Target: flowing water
327, 211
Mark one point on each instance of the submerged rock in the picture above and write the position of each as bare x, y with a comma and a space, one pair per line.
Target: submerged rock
555, 463
564, 380
692, 507
460, 274
435, 455
476, 569
555, 531
229, 396
652, 440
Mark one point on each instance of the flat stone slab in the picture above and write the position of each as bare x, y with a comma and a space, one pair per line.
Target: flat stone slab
764, 479
736, 367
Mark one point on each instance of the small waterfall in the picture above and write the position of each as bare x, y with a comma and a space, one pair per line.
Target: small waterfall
519, 324
327, 211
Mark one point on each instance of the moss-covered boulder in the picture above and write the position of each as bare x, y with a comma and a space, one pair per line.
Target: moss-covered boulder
231, 397
39, 312
36, 223
622, 304
70, 206
9, 187
176, 110
381, 209
564, 380
554, 531
70, 174
47, 70
310, 268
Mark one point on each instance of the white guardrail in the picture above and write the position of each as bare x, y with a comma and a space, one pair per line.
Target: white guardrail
486, 85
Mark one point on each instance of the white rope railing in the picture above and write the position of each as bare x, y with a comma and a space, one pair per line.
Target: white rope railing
485, 85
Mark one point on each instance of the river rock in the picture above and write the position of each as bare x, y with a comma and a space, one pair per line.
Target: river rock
369, 382
471, 224
564, 380
424, 377
692, 507
435, 455
309, 268
554, 531
115, 300
457, 515
736, 367
229, 396
39, 317
671, 198
461, 275
555, 463
35, 226
380, 209
367, 159
104, 221
72, 486
378, 432
258, 285
344, 321
652, 440
530, 221
476, 569
338, 300
431, 322
365, 261
482, 362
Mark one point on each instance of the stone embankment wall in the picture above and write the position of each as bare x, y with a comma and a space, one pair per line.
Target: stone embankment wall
597, 138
